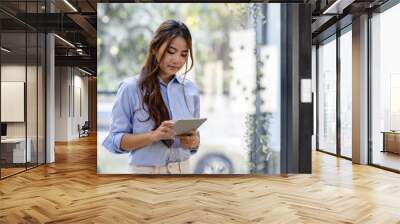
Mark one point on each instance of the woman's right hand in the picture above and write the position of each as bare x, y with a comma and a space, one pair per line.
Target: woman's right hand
164, 131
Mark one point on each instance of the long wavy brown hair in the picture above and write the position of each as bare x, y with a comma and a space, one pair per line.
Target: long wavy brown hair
149, 83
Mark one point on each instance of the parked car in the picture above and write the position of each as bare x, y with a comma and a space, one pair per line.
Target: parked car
220, 156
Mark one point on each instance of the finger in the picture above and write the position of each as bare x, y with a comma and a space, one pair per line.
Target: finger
188, 143
167, 136
167, 129
185, 144
191, 137
194, 144
168, 123
193, 133
164, 130
184, 141
171, 133
184, 138
187, 134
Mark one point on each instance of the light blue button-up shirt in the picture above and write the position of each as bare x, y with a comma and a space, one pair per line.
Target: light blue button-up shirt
128, 116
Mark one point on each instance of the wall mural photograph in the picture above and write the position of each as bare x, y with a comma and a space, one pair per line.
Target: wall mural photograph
189, 88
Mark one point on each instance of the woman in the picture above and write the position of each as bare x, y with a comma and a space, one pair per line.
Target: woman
146, 105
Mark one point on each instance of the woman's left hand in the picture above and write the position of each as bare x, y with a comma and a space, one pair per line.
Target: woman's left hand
189, 140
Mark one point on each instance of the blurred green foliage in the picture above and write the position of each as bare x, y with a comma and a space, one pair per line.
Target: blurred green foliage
125, 29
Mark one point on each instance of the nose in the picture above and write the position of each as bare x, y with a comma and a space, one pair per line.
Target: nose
176, 59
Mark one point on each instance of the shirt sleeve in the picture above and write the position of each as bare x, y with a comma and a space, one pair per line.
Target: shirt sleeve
121, 121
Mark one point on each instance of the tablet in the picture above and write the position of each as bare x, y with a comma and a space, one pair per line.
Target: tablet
184, 126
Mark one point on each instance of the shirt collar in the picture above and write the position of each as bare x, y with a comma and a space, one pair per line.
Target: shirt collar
179, 78
176, 78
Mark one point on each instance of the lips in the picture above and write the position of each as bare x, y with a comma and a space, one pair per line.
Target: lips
173, 67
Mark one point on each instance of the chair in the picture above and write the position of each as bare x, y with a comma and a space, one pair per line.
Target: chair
84, 130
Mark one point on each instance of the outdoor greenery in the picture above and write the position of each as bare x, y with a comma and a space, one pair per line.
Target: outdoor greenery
124, 31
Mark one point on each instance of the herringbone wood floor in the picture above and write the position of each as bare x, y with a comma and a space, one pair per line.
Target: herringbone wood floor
70, 191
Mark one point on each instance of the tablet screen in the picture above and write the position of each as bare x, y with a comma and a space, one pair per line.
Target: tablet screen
184, 126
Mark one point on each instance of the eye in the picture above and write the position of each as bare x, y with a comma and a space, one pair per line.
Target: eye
171, 51
184, 55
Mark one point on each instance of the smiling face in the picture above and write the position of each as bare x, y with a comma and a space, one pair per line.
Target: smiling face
176, 55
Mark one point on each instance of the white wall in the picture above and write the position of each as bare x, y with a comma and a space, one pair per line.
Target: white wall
33, 126
79, 115
61, 103
16, 73
71, 94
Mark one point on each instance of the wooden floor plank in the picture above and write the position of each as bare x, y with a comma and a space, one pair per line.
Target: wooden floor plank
70, 191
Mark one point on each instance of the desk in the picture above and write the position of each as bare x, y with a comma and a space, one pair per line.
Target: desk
13, 150
391, 141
